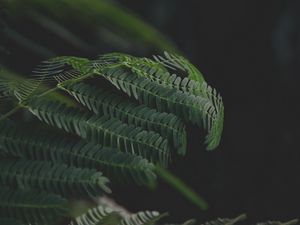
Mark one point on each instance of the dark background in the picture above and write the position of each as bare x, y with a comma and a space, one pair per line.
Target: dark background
249, 51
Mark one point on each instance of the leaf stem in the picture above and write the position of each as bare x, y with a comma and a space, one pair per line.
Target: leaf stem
181, 187
9, 113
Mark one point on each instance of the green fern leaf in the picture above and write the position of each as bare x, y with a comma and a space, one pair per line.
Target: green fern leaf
53, 178
104, 102
151, 83
166, 99
150, 68
119, 166
103, 130
156, 72
32, 207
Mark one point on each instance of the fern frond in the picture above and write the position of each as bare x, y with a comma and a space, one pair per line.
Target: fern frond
195, 100
98, 215
166, 99
32, 207
118, 166
53, 178
104, 102
156, 72
103, 130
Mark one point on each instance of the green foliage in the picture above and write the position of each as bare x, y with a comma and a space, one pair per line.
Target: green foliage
53, 178
102, 130
127, 139
104, 102
151, 84
42, 146
189, 107
104, 23
31, 207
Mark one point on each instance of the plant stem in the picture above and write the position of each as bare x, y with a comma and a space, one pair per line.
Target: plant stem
181, 187
9, 113
48, 91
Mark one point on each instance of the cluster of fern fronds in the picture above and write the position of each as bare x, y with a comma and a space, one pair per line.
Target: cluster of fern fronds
110, 137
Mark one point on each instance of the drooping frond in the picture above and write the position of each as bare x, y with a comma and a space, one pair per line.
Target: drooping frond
30, 207
155, 71
103, 130
53, 178
118, 166
104, 102
193, 100
192, 108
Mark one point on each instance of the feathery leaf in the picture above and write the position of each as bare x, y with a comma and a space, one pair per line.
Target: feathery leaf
192, 108
32, 207
104, 102
118, 166
103, 130
53, 178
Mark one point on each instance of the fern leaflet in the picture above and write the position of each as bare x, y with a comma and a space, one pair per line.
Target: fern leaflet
104, 102
53, 178
31, 207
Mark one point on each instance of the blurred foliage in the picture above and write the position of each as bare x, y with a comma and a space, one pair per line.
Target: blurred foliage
41, 29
